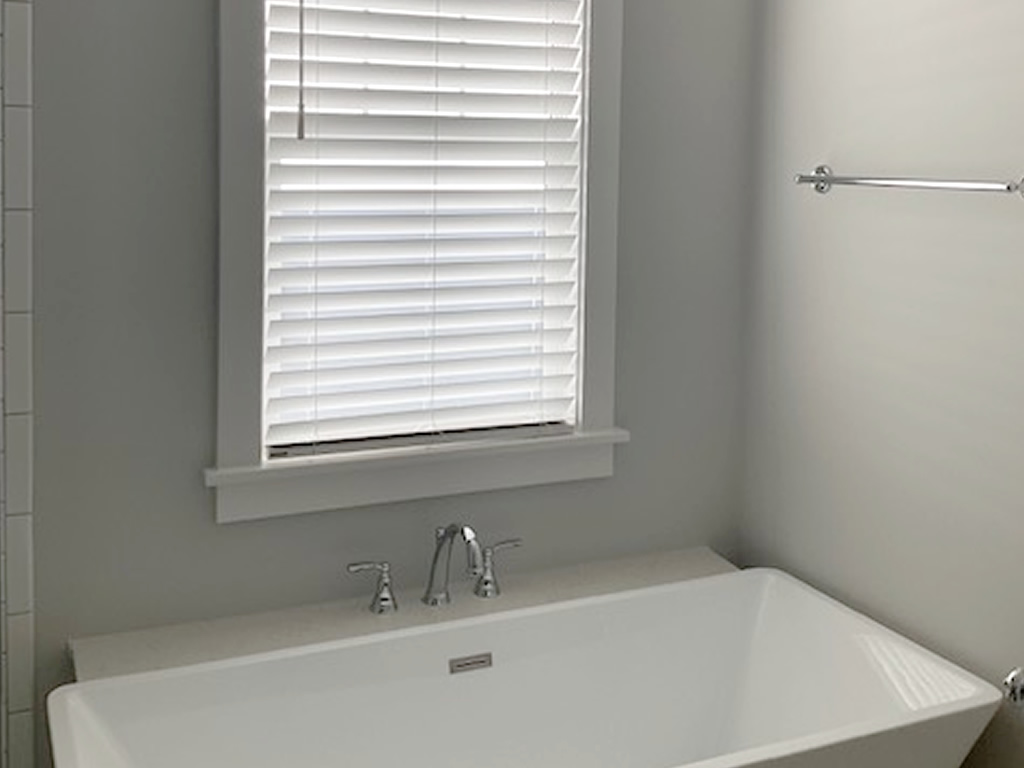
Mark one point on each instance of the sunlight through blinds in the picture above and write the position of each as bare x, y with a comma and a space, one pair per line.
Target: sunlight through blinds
423, 235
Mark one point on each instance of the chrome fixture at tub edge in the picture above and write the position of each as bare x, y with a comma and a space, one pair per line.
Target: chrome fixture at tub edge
487, 584
383, 597
438, 595
1013, 686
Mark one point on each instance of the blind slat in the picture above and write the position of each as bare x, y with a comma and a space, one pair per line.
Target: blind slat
384, 352
450, 297
285, 71
285, 15
330, 373
427, 419
438, 128
510, 386
330, 250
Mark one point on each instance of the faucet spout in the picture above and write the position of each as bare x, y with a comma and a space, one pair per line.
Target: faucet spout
437, 593
474, 553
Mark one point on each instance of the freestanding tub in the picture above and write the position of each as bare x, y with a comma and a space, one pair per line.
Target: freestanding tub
751, 668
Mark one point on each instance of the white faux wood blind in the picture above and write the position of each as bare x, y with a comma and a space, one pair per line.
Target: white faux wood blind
423, 241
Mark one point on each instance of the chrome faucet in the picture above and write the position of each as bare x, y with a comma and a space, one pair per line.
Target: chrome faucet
438, 594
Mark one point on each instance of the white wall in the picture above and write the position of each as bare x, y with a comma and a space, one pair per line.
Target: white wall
125, 345
886, 364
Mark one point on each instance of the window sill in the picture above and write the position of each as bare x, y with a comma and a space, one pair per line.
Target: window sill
295, 486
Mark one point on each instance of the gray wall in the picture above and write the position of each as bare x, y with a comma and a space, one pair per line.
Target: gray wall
886, 365
125, 337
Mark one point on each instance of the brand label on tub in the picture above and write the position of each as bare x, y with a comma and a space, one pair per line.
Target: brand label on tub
470, 663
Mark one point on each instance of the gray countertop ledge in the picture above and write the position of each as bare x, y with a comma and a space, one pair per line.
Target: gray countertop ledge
201, 641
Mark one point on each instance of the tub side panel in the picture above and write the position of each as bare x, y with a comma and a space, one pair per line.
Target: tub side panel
942, 742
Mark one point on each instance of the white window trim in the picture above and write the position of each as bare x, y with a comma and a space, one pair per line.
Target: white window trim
248, 487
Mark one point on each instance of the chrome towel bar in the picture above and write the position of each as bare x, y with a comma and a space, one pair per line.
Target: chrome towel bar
823, 180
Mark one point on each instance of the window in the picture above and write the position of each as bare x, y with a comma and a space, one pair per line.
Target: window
407, 306
423, 181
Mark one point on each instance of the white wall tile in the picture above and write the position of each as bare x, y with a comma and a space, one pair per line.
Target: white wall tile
3, 712
17, 53
18, 464
17, 157
17, 363
17, 742
19, 564
20, 662
21, 738
17, 258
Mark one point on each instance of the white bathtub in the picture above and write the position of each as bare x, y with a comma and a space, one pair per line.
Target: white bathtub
745, 669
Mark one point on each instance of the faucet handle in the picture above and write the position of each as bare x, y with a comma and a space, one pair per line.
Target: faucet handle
506, 544
487, 585
383, 597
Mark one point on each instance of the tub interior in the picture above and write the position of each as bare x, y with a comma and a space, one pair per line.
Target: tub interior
658, 678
